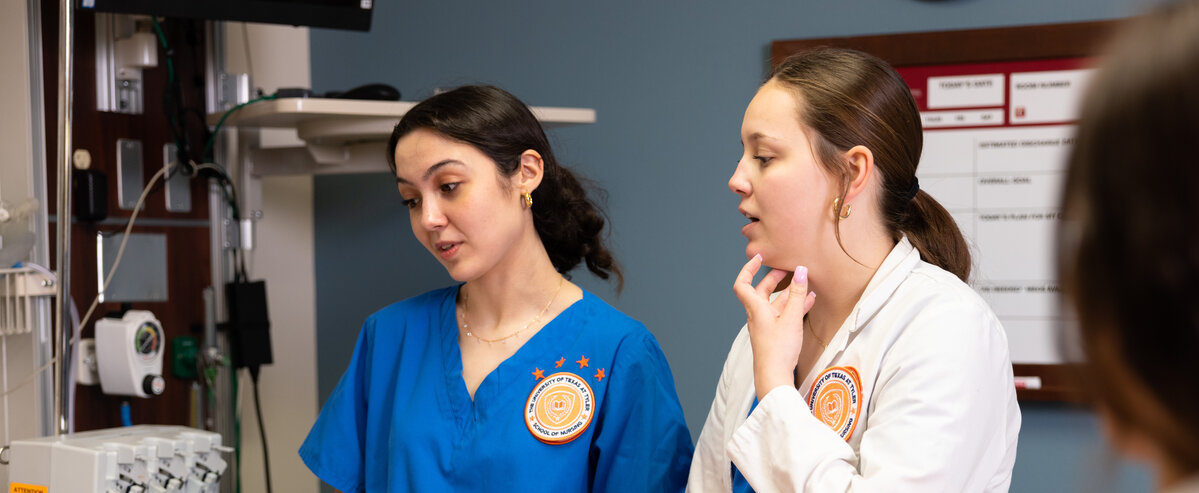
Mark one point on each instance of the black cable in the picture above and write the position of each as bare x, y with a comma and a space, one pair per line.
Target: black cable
205, 132
230, 193
239, 256
177, 117
242, 265
266, 461
172, 100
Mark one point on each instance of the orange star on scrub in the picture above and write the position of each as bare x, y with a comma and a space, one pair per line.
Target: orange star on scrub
599, 375
582, 362
558, 364
537, 374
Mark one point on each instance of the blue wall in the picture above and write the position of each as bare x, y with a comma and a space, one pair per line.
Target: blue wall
669, 81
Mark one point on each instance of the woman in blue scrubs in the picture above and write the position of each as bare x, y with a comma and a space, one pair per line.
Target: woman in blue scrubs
515, 379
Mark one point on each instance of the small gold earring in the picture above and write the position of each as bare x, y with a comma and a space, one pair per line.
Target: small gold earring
837, 209
528, 196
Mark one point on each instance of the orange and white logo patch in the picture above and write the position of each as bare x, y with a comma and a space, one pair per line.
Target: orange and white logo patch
559, 408
835, 400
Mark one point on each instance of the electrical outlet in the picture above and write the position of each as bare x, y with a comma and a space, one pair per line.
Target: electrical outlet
88, 373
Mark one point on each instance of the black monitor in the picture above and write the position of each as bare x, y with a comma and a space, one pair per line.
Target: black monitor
337, 14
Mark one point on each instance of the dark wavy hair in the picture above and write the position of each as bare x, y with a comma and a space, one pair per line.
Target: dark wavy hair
850, 98
499, 125
1128, 249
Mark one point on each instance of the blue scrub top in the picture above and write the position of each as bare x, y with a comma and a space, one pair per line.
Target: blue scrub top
401, 419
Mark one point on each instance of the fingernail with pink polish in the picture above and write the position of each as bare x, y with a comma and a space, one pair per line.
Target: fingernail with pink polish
757, 256
801, 274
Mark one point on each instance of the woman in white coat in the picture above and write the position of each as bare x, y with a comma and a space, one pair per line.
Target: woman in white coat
897, 376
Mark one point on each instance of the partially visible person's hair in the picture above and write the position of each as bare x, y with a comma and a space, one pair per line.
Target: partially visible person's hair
499, 125
1128, 248
848, 98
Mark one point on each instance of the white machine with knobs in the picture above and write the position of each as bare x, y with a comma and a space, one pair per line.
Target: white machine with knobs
129, 354
139, 459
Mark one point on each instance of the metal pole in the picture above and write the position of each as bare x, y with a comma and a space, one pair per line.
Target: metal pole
66, 38
43, 341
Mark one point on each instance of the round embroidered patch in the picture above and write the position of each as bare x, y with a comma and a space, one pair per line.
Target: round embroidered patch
835, 401
559, 408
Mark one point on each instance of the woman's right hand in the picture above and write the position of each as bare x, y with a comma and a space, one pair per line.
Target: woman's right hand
775, 327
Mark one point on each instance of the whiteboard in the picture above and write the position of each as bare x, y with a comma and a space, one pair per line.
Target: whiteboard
996, 140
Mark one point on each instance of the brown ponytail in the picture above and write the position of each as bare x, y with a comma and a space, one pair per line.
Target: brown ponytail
850, 98
935, 234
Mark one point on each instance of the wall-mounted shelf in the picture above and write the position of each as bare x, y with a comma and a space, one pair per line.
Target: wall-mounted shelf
344, 136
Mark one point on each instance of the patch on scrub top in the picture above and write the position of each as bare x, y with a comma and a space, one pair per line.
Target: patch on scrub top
835, 400
559, 408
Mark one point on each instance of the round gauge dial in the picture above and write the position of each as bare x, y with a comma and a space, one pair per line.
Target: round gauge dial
147, 341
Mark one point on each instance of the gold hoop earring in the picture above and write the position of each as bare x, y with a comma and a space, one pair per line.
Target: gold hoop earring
837, 208
528, 196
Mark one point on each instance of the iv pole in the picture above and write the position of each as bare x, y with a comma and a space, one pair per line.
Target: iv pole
66, 38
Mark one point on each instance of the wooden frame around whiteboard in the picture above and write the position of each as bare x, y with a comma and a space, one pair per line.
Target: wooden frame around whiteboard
1006, 44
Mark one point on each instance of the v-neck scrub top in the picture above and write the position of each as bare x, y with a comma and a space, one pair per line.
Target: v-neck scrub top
401, 419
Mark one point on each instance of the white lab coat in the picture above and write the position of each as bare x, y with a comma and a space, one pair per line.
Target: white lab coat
938, 412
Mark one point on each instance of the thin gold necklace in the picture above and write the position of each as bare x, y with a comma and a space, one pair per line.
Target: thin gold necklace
532, 323
808, 325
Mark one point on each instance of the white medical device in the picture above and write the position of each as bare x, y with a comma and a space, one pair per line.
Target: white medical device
129, 354
136, 459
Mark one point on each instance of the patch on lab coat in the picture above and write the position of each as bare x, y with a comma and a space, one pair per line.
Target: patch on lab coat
835, 399
559, 408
